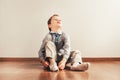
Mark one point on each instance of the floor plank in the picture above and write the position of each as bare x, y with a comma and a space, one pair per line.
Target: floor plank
32, 70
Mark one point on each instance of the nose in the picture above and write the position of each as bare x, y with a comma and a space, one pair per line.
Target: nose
59, 21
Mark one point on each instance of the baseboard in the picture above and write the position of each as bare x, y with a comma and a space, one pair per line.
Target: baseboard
101, 59
85, 59
19, 59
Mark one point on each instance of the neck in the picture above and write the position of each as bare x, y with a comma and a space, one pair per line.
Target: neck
56, 30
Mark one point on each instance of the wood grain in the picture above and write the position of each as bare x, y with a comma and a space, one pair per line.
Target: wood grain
32, 70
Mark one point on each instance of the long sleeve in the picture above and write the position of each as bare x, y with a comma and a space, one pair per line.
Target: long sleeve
41, 52
66, 47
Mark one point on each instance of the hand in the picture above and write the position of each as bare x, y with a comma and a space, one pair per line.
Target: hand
45, 63
61, 64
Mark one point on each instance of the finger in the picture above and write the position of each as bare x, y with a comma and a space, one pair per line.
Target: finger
59, 65
46, 64
61, 68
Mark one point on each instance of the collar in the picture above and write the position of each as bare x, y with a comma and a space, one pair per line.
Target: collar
60, 32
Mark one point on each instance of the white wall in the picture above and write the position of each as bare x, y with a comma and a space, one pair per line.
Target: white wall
94, 26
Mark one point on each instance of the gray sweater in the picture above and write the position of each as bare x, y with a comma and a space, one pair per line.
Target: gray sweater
63, 47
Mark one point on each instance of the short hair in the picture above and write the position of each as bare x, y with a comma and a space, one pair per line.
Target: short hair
49, 20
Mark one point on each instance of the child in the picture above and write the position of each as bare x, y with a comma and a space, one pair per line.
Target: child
55, 51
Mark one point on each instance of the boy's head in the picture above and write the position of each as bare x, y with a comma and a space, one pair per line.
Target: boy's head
54, 22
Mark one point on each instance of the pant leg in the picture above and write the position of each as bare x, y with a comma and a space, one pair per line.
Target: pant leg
75, 56
75, 62
50, 49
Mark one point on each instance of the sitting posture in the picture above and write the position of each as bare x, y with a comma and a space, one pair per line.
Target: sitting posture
55, 51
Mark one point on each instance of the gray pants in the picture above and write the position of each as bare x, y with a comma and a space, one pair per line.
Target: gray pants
75, 56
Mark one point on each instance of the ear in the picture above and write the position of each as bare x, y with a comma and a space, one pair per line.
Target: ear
49, 26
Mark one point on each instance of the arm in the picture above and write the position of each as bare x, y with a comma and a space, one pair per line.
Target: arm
66, 47
42, 51
65, 51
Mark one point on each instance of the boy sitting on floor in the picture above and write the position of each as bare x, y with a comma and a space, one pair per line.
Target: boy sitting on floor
55, 51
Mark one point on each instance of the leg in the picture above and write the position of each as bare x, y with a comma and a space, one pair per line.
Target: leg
76, 56
50, 50
75, 62
51, 55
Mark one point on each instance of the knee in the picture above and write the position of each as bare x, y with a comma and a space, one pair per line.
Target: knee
49, 43
75, 52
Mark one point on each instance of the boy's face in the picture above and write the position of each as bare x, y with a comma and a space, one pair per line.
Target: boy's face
55, 22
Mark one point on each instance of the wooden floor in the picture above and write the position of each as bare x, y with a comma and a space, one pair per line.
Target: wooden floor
31, 70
